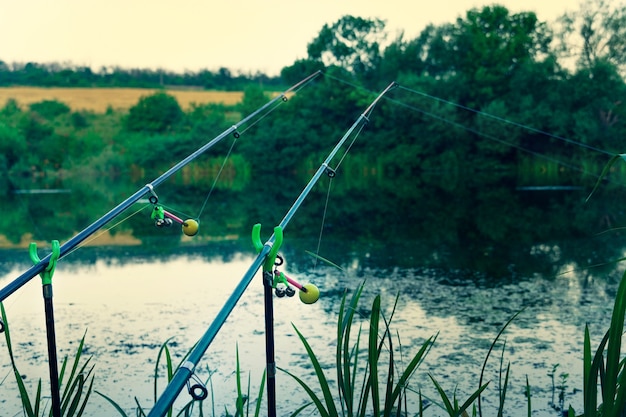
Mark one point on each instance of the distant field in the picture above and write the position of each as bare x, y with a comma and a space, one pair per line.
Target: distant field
98, 99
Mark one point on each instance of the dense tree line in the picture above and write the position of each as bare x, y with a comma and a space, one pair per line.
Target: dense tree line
485, 92
65, 75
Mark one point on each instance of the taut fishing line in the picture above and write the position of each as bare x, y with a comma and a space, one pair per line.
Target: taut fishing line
507, 121
95, 236
217, 177
490, 137
319, 240
332, 172
487, 136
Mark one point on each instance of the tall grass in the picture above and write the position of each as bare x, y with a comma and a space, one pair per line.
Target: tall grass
194, 406
609, 369
76, 382
362, 390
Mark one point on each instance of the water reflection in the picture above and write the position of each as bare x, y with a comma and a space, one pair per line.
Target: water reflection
464, 257
131, 300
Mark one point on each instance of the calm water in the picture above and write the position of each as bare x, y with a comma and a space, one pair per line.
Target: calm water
130, 301
464, 259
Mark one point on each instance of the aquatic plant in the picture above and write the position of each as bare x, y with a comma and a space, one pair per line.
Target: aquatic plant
198, 390
609, 370
76, 389
358, 378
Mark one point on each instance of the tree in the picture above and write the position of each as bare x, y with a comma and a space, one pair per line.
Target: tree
352, 43
253, 98
156, 113
596, 33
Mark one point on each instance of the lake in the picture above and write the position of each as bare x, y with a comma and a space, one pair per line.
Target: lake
463, 260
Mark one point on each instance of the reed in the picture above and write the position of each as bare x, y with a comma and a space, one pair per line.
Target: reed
359, 378
609, 370
76, 389
194, 406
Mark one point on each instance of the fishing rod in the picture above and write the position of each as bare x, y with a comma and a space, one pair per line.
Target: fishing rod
266, 257
148, 188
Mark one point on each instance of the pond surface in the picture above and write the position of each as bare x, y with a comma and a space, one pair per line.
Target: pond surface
464, 258
129, 301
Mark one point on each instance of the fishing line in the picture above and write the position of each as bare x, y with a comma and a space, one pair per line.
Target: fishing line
507, 121
497, 118
349, 147
97, 235
270, 110
206, 200
495, 139
319, 240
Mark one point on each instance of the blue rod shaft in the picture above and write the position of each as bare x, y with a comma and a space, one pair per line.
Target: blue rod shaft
184, 372
18, 282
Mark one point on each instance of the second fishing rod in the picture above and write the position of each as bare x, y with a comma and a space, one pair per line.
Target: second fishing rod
266, 256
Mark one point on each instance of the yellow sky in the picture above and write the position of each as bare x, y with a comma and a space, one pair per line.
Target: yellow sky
247, 35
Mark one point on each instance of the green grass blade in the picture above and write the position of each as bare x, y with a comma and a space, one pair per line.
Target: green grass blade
590, 377
373, 355
163, 350
316, 400
239, 402
344, 358
81, 411
26, 403
73, 388
324, 260
471, 399
444, 397
610, 408
38, 398
300, 409
390, 378
328, 398
605, 171
493, 344
77, 356
113, 403
259, 398
503, 391
355, 368
76, 400
412, 366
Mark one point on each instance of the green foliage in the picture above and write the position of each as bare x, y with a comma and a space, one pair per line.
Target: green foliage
253, 98
50, 109
156, 113
12, 145
164, 355
76, 389
351, 42
64, 75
